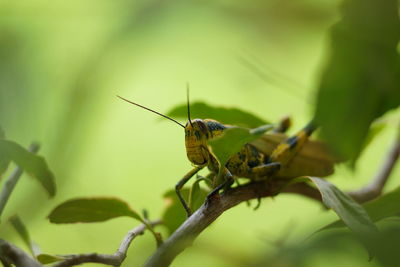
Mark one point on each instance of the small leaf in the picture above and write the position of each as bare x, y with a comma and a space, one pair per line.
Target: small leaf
47, 258
29, 162
19, 226
197, 195
378, 209
233, 140
231, 116
351, 213
88, 210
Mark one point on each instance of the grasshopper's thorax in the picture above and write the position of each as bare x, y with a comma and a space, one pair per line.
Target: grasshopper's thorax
197, 132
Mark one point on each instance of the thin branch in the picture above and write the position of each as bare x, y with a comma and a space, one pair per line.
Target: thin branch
115, 259
374, 189
12, 181
184, 236
123, 248
11, 254
107, 259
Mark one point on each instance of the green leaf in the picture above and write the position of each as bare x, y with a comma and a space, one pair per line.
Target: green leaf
3, 162
197, 195
378, 209
233, 139
19, 226
362, 79
35, 165
88, 210
47, 258
351, 213
2, 133
3, 166
231, 116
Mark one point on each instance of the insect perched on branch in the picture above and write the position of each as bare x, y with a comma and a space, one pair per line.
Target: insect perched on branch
272, 155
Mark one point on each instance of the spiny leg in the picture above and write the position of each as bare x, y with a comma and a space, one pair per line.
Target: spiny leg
228, 181
181, 183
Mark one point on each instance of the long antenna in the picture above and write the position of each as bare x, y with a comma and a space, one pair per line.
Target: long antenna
158, 113
188, 104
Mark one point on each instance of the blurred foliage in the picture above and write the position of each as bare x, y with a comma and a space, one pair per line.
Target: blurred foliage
29, 162
362, 78
336, 247
62, 63
20, 227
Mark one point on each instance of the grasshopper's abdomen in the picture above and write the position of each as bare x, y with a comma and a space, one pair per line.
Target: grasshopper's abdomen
244, 163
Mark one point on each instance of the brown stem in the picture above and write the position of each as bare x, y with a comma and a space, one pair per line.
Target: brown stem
115, 259
374, 189
212, 209
11, 254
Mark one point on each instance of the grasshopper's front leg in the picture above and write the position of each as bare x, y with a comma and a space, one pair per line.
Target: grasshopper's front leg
182, 182
228, 181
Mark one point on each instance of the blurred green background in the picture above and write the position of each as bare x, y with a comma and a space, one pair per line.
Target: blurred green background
63, 63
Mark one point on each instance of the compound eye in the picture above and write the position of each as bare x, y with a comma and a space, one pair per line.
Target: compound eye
203, 127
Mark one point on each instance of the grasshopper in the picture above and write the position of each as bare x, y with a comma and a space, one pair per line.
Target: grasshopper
272, 155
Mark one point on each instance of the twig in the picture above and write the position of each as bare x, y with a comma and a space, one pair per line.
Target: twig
107, 259
210, 211
374, 189
115, 259
12, 181
11, 254
123, 248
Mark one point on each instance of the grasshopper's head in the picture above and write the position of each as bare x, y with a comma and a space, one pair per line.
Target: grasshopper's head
197, 132
196, 135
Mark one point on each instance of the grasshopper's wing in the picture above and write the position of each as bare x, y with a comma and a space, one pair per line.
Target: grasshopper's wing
313, 159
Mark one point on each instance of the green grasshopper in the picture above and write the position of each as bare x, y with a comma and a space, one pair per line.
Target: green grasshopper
272, 155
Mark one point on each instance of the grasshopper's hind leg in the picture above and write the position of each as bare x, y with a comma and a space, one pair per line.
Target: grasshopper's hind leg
286, 150
263, 171
181, 183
